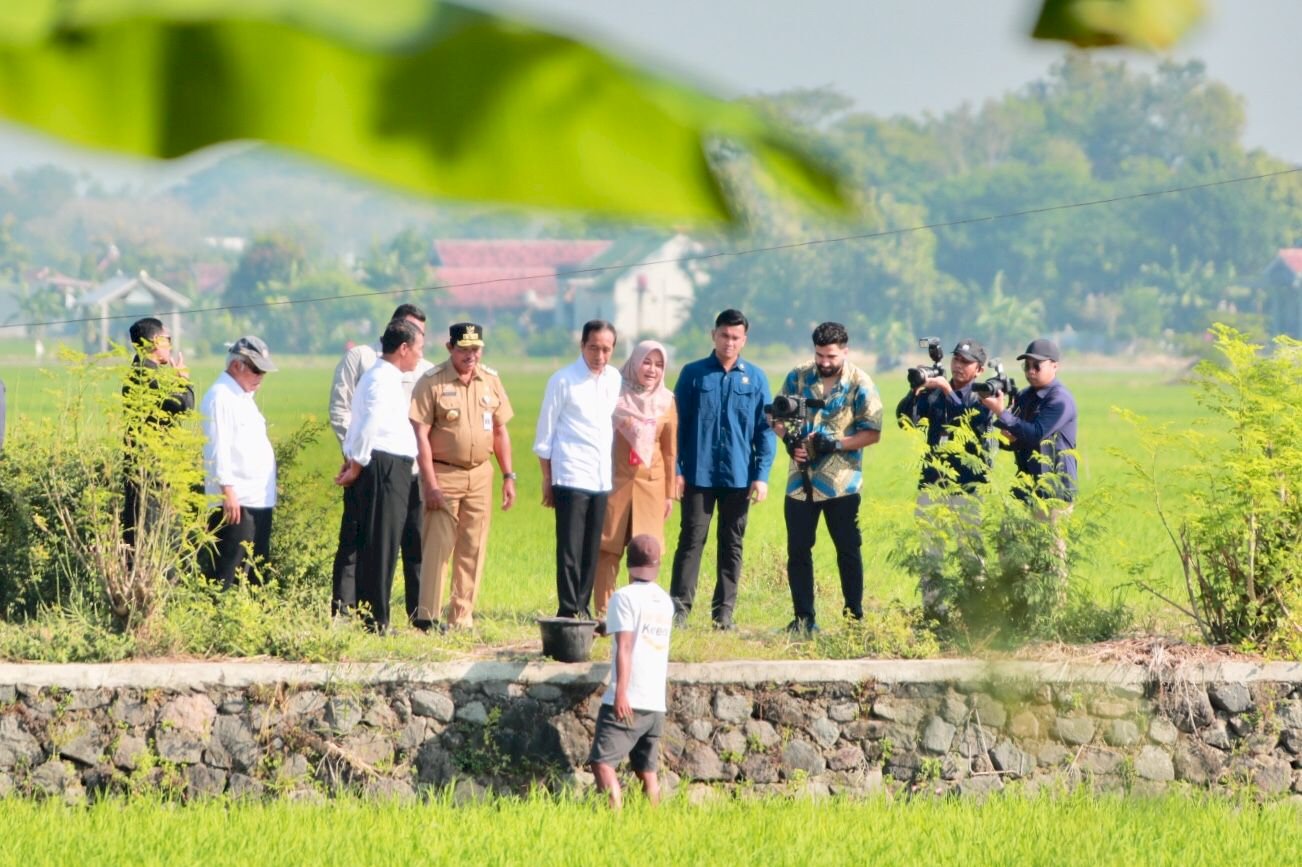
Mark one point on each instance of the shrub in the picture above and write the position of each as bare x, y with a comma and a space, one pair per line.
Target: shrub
61, 496
994, 568
1238, 528
72, 587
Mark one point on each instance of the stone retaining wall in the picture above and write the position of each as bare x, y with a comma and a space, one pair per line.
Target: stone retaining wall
263, 729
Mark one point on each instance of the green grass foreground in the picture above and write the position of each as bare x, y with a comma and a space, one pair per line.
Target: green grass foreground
1071, 829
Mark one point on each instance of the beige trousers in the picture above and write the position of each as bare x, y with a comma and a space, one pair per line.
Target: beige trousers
458, 534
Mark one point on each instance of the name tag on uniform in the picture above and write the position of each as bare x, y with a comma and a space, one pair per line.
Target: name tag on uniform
448, 391
488, 420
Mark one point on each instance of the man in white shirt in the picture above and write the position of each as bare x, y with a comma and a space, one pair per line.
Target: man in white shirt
573, 444
239, 464
632, 715
356, 361
379, 452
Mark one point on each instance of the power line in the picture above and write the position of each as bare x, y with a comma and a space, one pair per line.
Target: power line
771, 248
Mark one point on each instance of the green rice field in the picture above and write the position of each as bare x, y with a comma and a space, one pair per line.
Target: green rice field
519, 579
1066, 830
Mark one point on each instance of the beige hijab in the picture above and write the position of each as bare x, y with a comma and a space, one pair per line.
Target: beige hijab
639, 407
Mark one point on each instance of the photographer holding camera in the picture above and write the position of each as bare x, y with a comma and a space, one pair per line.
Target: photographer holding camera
1041, 429
827, 412
960, 447
1041, 425
946, 404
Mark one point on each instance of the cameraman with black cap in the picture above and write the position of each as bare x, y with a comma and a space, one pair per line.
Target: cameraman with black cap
1041, 425
844, 417
947, 404
1041, 429
957, 463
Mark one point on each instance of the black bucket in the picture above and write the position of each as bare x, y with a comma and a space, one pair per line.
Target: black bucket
566, 639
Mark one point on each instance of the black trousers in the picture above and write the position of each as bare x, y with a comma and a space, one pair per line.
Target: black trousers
842, 517
380, 498
698, 508
579, 517
344, 595
227, 563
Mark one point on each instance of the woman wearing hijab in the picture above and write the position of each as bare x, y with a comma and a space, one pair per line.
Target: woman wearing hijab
644, 451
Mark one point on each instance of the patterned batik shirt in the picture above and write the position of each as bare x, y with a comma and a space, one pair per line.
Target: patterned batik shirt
852, 405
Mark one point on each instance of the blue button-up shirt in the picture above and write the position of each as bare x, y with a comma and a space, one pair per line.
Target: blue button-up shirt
970, 465
1043, 426
724, 440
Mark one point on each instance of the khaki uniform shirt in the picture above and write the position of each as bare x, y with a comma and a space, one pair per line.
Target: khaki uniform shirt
461, 416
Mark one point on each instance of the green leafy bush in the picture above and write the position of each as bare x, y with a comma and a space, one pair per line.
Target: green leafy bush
1237, 525
73, 589
61, 497
994, 567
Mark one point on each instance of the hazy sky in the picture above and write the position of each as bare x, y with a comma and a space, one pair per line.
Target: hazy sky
915, 56
890, 56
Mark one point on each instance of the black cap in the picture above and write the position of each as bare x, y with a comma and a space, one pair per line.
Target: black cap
971, 350
1042, 349
466, 334
643, 558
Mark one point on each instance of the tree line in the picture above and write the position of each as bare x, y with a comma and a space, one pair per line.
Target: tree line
1118, 275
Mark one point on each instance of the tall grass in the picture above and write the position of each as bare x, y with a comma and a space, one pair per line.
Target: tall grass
1065, 830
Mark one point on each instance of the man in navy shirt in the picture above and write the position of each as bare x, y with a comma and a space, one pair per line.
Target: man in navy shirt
725, 452
959, 456
947, 404
1041, 425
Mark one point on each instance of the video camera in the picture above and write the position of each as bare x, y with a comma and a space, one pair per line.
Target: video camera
997, 384
787, 407
920, 374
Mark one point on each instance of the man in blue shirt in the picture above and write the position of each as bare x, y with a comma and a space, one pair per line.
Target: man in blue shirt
960, 452
725, 452
1041, 426
948, 404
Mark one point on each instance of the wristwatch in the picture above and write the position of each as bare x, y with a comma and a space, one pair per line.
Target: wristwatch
840, 445
511, 476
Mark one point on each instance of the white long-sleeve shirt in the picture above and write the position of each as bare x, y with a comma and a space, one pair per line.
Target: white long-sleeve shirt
379, 418
575, 430
349, 372
236, 450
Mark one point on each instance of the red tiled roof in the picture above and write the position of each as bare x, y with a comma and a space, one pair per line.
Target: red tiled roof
1292, 257
209, 276
505, 254
496, 287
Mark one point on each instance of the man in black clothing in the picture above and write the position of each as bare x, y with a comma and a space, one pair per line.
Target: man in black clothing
947, 404
960, 454
157, 390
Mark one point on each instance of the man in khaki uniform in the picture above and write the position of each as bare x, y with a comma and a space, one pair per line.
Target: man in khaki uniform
459, 410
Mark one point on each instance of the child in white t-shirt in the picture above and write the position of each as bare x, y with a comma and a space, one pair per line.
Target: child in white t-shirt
632, 716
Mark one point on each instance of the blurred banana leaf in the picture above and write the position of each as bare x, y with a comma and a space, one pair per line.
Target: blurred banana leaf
1150, 24
424, 95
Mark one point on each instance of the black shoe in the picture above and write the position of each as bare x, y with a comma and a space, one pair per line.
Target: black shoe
802, 628
680, 620
423, 625
851, 614
724, 624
